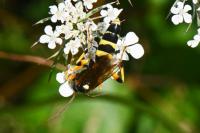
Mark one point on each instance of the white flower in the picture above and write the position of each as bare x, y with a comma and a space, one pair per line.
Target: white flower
196, 40
88, 3
66, 29
91, 25
102, 27
130, 45
110, 14
195, 1
58, 13
66, 90
77, 12
81, 27
68, 5
80, 10
180, 13
193, 43
51, 37
75, 33
197, 36
73, 46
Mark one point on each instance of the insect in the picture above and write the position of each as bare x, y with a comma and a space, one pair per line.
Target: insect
89, 74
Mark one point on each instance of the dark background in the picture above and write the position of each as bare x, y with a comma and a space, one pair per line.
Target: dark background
161, 93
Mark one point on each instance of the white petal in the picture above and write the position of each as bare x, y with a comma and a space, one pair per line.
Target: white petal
107, 20
189, 43
198, 30
44, 39
66, 50
59, 41
117, 12
61, 6
59, 29
89, 6
74, 51
62, 20
180, 5
187, 8
60, 77
136, 51
68, 35
109, 6
174, 10
195, 1
104, 13
131, 38
53, 9
125, 56
54, 19
56, 33
119, 42
94, 27
52, 45
48, 30
65, 90
79, 5
197, 37
187, 18
176, 19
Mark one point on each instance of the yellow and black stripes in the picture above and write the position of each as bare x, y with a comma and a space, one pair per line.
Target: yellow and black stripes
110, 38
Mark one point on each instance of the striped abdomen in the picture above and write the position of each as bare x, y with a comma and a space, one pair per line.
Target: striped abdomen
109, 40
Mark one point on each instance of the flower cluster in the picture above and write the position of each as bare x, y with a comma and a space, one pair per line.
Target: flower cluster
75, 30
73, 24
180, 14
196, 40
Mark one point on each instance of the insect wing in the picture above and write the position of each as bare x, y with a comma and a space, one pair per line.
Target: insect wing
95, 74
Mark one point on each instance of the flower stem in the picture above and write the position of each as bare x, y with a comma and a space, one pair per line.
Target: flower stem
31, 59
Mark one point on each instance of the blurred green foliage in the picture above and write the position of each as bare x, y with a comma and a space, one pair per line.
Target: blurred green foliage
161, 93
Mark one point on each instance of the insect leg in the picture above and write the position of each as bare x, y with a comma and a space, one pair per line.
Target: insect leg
119, 75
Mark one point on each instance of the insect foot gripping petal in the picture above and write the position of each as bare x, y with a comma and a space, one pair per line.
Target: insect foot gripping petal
66, 90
